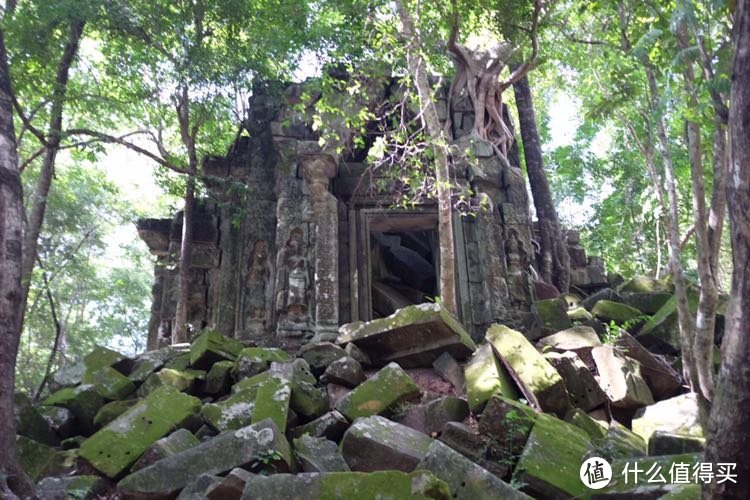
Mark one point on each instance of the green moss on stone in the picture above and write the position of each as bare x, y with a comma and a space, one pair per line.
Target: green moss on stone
115, 447
485, 376
110, 383
551, 459
180, 380
35, 458
387, 387
232, 413
608, 310
84, 401
272, 401
111, 411
217, 379
210, 347
554, 315
530, 368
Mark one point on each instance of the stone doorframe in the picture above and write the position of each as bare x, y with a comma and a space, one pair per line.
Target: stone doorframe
362, 222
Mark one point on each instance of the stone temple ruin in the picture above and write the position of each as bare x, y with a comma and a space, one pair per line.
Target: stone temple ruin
304, 245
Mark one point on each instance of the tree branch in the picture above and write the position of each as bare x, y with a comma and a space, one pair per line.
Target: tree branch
27, 123
117, 140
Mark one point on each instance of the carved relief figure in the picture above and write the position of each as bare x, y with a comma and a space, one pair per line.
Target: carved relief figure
258, 271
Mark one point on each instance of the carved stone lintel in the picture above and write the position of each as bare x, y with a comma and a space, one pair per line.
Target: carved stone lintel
317, 170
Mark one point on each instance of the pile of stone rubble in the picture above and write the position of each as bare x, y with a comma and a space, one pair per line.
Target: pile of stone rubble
400, 407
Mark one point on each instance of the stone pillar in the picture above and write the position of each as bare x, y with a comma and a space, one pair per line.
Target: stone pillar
318, 169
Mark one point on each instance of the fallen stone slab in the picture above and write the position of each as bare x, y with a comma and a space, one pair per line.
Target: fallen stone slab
580, 339
34, 458
620, 378
218, 378
232, 413
182, 380
150, 361
645, 484
118, 445
677, 415
221, 454
253, 360
210, 347
509, 423
668, 443
344, 371
595, 429
485, 376
442, 410
582, 387
380, 392
331, 425
85, 487
319, 455
645, 284
663, 380
608, 310
375, 443
553, 314
347, 485
110, 383
84, 401
272, 401
177, 442
466, 479
229, 487
61, 420
196, 489
31, 423
111, 411
413, 337
551, 459
319, 355
621, 442
539, 381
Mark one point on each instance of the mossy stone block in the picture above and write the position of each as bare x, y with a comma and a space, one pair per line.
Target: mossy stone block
34, 457
251, 383
210, 347
645, 284
219, 455
551, 459
596, 430
678, 415
272, 401
234, 412
179, 379
100, 356
253, 360
554, 315
485, 376
84, 401
539, 381
177, 442
608, 310
118, 445
381, 485
74, 487
308, 400
30, 422
150, 361
387, 387
319, 455
218, 377
110, 383
111, 411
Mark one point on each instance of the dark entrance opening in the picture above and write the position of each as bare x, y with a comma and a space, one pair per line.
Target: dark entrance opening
404, 269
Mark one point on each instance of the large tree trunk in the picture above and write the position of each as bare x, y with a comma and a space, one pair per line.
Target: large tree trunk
11, 225
181, 333
39, 197
728, 437
418, 71
555, 258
